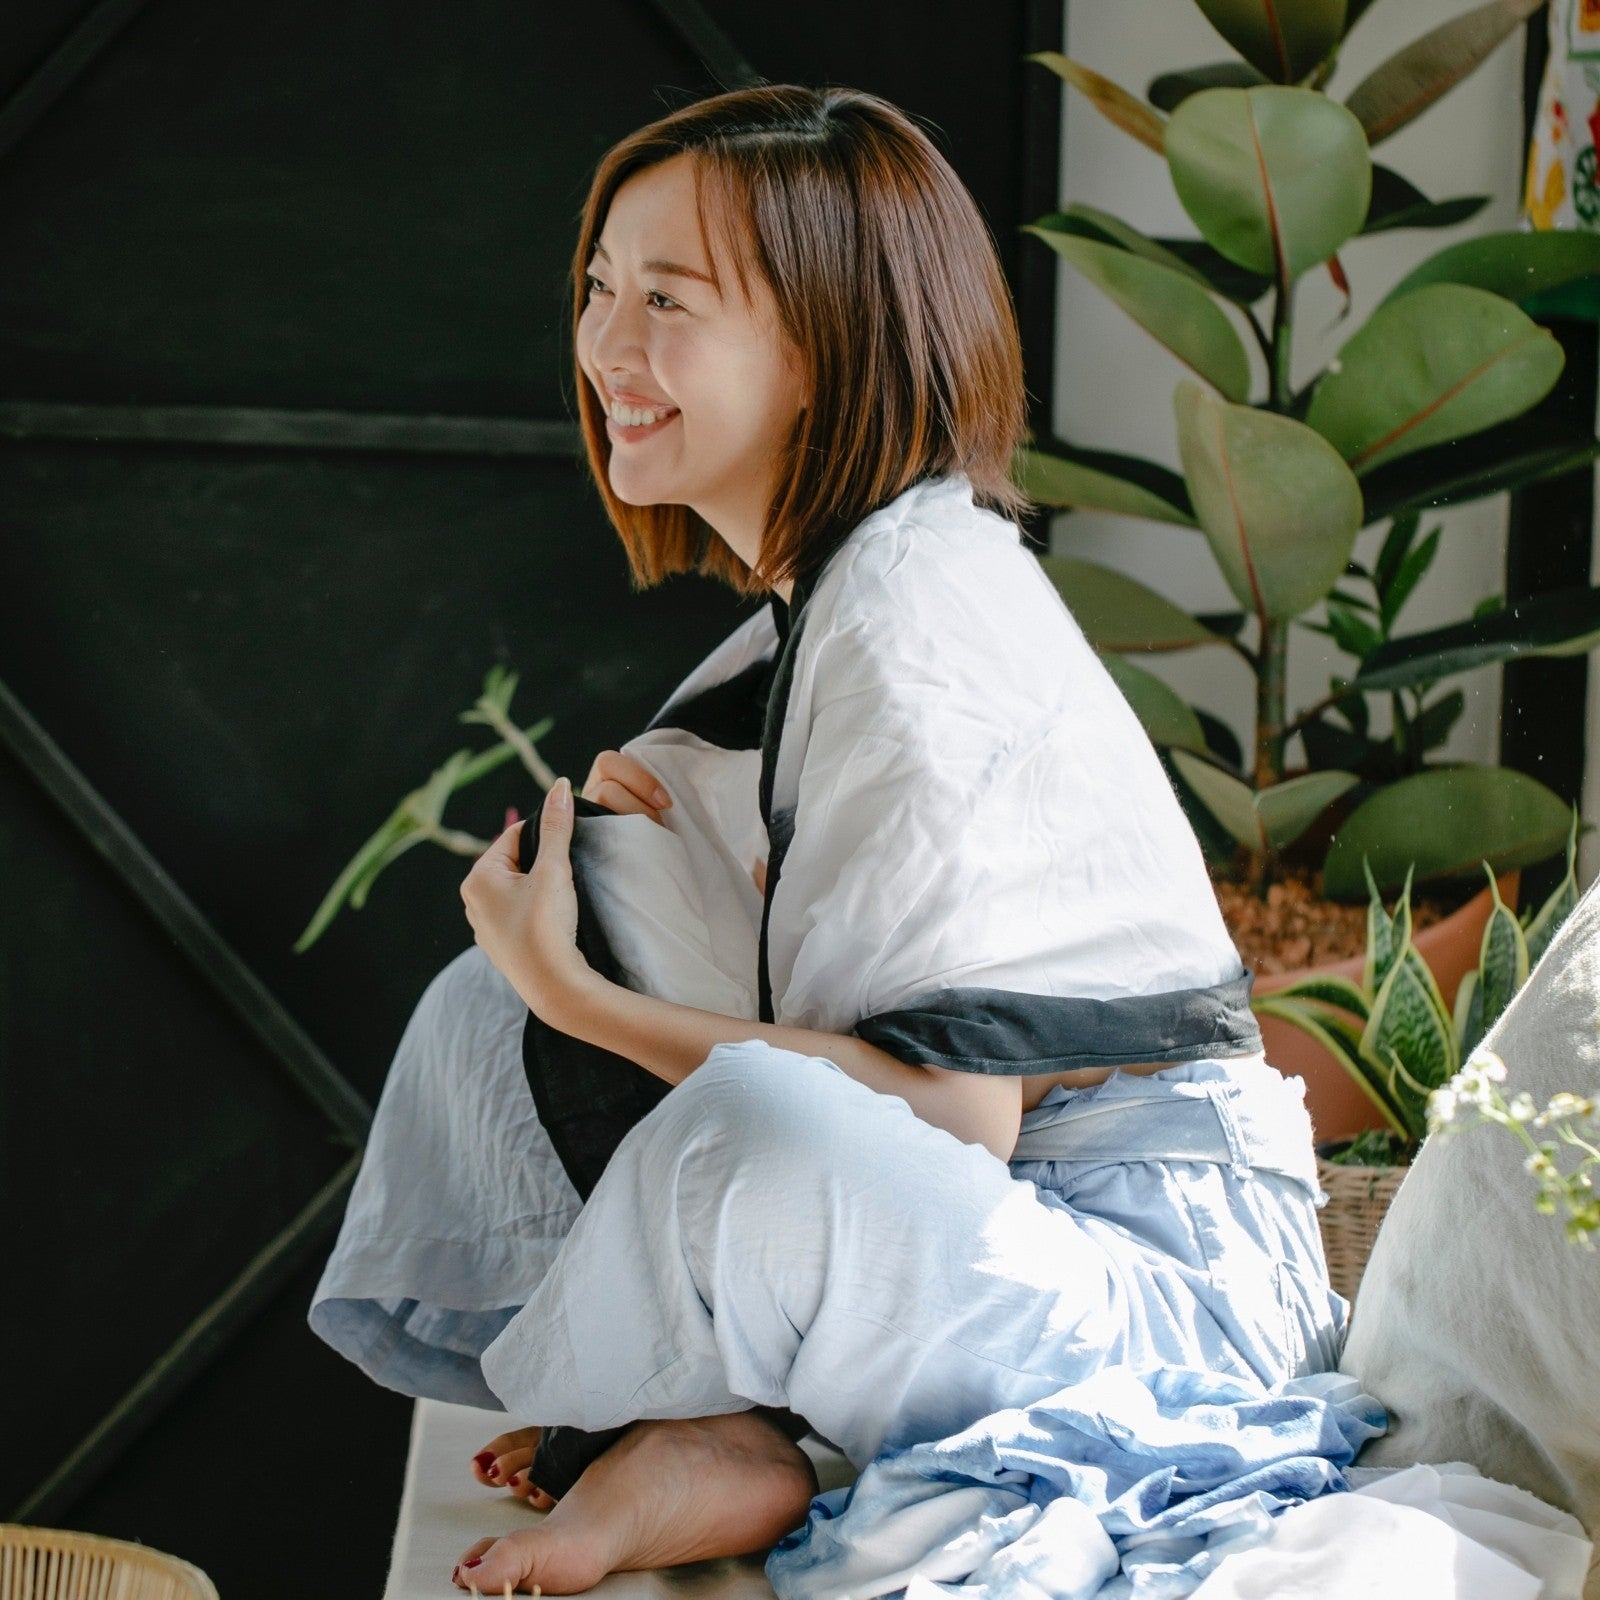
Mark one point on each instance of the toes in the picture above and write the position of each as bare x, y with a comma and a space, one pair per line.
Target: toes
506, 1471
465, 1573
493, 1563
504, 1455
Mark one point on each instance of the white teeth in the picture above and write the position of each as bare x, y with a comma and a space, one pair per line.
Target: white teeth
637, 416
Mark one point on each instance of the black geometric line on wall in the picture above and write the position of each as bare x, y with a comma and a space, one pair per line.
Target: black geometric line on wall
216, 960
191, 1352
278, 429
261, 1011
62, 68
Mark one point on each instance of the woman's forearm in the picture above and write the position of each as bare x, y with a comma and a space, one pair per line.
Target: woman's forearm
671, 1040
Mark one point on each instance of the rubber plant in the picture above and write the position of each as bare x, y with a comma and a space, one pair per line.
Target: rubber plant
1427, 404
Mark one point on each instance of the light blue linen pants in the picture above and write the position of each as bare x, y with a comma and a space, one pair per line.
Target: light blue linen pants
776, 1234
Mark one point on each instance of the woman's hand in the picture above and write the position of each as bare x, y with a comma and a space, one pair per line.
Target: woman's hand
628, 787
527, 922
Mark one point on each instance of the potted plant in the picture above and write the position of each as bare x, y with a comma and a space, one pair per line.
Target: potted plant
1278, 179
1399, 1043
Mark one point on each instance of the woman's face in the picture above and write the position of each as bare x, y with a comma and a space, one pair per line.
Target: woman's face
719, 386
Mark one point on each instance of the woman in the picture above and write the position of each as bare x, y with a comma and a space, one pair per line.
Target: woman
893, 876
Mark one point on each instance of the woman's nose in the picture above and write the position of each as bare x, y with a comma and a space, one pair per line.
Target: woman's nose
617, 342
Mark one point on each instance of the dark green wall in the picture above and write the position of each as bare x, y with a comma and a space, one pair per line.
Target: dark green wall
251, 653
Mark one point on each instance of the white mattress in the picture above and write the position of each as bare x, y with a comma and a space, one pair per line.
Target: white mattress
443, 1511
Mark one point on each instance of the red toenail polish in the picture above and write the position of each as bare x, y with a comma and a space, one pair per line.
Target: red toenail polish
484, 1461
492, 1472
476, 1561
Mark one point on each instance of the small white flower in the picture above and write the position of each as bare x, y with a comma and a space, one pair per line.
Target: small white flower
1492, 1067
1568, 1105
1539, 1164
1441, 1108
1522, 1107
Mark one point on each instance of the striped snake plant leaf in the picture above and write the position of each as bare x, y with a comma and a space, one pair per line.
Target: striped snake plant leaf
1329, 989
1410, 1037
1502, 963
1386, 935
1541, 928
1469, 1020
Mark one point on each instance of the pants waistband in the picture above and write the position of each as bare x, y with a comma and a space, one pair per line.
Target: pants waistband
1249, 1119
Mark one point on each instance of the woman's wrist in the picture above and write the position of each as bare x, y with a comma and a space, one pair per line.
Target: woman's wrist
575, 1001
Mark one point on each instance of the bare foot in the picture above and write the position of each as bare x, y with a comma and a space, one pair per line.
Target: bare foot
665, 1493
503, 1464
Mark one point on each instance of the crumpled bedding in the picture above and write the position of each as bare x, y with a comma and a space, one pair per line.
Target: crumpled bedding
1128, 1483
1170, 1483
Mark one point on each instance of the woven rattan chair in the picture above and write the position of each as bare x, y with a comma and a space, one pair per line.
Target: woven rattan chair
48, 1564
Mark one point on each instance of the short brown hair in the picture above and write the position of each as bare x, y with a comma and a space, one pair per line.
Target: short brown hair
886, 283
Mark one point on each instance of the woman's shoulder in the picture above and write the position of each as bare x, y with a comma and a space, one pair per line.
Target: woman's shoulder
935, 571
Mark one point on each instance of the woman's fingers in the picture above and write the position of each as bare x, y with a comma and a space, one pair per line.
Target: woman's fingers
615, 797
621, 774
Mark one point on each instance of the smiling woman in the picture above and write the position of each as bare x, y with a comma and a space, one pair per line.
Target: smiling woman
811, 285
684, 355
966, 1100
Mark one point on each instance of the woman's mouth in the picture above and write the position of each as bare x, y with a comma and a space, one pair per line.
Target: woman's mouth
632, 423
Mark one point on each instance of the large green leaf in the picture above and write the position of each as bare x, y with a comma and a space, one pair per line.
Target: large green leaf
1161, 481
1563, 623
1280, 508
1090, 222
1226, 278
1408, 83
1542, 443
1398, 203
1162, 711
1053, 481
1111, 100
1513, 265
1171, 89
1275, 179
1284, 39
1444, 362
1579, 300
1443, 823
1287, 809
1167, 303
1117, 612
1265, 819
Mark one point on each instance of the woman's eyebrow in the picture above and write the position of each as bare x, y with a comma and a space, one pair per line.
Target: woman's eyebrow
666, 268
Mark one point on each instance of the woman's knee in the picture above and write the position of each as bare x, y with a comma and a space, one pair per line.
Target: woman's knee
775, 1118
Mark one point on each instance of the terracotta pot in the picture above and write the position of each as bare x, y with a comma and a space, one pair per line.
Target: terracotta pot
1339, 1107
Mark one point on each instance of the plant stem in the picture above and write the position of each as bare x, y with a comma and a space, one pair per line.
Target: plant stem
455, 841
519, 741
1282, 396
1271, 693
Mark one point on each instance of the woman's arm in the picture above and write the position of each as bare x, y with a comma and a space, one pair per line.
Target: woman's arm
527, 925
672, 1040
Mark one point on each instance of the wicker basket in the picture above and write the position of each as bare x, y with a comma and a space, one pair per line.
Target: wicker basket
47, 1564
1358, 1198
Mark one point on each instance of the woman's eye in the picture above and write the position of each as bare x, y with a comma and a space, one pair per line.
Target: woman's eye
593, 286
661, 302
